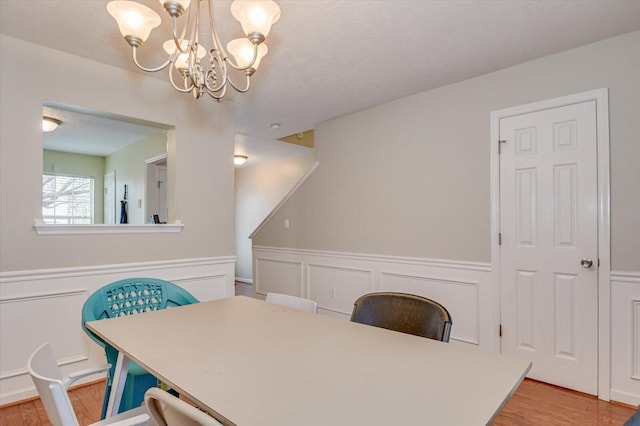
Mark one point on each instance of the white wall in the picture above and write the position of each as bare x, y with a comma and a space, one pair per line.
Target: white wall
44, 279
402, 199
411, 177
258, 189
200, 157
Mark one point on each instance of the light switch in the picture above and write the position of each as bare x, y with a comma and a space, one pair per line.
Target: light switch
286, 224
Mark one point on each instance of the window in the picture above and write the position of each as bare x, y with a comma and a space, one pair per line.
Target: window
67, 199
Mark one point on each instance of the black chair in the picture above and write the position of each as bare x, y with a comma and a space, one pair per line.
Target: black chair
406, 313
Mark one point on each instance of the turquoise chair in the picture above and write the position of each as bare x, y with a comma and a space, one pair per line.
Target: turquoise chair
128, 297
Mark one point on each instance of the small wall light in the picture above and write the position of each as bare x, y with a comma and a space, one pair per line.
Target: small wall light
239, 159
50, 124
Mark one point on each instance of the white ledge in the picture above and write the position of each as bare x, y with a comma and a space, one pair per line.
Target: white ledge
49, 229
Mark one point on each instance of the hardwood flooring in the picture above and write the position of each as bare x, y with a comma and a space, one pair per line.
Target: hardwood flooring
536, 403
533, 404
86, 400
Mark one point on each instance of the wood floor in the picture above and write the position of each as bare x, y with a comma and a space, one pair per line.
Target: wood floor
533, 404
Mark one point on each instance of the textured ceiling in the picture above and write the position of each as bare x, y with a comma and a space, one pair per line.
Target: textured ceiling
93, 132
328, 58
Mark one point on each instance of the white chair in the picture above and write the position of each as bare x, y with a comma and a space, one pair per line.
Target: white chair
167, 410
52, 388
292, 302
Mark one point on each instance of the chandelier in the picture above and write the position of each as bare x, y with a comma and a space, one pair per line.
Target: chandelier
195, 74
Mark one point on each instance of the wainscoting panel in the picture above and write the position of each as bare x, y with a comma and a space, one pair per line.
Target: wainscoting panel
336, 280
336, 288
278, 276
625, 337
45, 306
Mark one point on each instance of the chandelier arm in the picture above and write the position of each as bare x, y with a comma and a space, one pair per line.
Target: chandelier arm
218, 97
246, 89
217, 44
193, 62
135, 61
178, 40
175, 86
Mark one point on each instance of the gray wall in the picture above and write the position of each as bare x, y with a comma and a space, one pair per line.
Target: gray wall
200, 160
411, 177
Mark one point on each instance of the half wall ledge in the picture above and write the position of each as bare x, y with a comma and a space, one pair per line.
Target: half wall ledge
42, 228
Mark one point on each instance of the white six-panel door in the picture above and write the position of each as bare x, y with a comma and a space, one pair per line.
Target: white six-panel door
549, 235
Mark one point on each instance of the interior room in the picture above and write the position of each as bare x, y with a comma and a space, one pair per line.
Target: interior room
388, 147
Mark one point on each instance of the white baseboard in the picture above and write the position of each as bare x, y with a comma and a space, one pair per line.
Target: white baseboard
45, 306
244, 280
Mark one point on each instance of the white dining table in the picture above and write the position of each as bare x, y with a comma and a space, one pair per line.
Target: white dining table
247, 362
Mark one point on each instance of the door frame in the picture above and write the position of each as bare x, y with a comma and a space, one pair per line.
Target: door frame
601, 96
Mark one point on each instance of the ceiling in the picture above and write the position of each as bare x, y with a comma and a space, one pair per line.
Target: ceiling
329, 58
97, 133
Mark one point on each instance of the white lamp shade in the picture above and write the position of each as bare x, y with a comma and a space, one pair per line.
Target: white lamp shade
242, 51
49, 124
255, 16
133, 19
169, 46
239, 159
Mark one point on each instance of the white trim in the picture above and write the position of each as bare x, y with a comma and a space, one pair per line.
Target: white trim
42, 295
61, 362
285, 199
57, 273
156, 158
245, 280
49, 229
601, 96
440, 263
625, 276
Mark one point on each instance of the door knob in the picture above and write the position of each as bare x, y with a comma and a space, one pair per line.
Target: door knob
586, 263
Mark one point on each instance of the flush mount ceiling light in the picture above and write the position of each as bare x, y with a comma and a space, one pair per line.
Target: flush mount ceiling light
50, 124
239, 159
199, 76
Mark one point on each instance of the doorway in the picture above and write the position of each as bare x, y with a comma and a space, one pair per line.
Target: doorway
110, 198
550, 220
156, 190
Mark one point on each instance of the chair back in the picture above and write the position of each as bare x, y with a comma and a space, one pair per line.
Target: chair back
131, 296
292, 302
127, 297
166, 410
406, 313
46, 375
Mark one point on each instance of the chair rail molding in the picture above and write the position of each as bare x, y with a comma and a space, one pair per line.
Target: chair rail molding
57, 295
